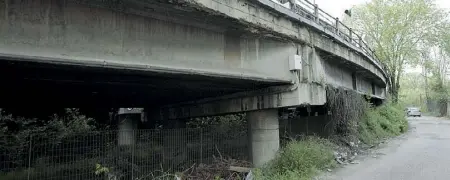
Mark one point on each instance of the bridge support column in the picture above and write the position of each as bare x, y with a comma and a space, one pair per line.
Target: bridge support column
127, 128
128, 125
264, 135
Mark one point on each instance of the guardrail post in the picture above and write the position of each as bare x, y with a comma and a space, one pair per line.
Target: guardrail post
292, 5
350, 34
316, 12
337, 25
360, 41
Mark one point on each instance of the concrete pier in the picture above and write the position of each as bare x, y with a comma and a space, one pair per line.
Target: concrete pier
264, 135
128, 125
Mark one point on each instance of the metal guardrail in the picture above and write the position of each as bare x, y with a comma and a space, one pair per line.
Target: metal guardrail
312, 12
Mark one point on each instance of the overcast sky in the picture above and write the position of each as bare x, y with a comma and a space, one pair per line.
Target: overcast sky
336, 8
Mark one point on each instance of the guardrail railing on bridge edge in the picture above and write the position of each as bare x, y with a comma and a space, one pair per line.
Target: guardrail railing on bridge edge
312, 12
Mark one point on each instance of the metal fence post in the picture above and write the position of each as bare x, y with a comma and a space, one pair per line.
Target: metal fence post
133, 147
163, 153
29, 157
201, 145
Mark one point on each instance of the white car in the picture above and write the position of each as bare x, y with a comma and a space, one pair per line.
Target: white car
413, 111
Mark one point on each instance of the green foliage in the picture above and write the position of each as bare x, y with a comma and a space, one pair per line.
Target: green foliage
352, 116
233, 120
45, 171
438, 87
16, 175
346, 107
398, 31
72, 122
439, 90
382, 122
299, 160
99, 169
412, 92
18, 132
222, 125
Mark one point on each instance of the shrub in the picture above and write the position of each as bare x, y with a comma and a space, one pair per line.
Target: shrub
299, 160
17, 132
303, 159
381, 122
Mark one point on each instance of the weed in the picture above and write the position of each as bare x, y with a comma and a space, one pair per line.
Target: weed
382, 122
300, 160
304, 159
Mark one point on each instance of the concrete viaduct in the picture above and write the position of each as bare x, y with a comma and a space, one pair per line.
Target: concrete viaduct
184, 58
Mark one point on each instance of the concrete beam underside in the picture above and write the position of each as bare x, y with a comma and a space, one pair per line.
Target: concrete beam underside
316, 73
267, 98
76, 34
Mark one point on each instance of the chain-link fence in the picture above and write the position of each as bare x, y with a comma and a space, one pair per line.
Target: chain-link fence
140, 154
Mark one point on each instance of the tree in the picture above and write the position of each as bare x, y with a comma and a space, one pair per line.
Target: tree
396, 30
412, 92
438, 88
441, 64
444, 45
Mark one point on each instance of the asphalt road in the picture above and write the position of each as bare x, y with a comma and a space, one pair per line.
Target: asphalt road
421, 154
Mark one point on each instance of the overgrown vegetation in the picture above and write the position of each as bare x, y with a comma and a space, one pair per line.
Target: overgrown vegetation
353, 118
346, 108
300, 160
404, 35
232, 125
382, 122
17, 132
414, 91
69, 144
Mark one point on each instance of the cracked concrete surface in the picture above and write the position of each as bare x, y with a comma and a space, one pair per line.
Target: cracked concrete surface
422, 153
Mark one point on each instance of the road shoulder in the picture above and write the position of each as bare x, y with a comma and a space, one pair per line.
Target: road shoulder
369, 156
